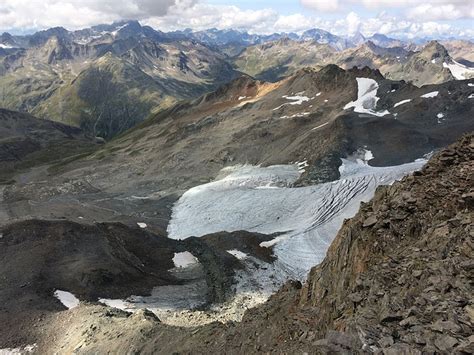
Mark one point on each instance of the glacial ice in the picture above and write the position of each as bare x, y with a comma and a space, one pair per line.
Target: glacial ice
308, 217
459, 71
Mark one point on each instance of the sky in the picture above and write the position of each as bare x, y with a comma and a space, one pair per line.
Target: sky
396, 18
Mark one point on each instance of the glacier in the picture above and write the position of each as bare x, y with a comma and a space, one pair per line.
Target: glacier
262, 199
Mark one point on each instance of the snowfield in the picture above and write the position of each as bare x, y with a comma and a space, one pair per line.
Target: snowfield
366, 98
459, 71
261, 199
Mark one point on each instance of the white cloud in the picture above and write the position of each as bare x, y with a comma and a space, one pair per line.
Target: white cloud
322, 5
414, 9
169, 15
353, 23
430, 12
38, 14
201, 16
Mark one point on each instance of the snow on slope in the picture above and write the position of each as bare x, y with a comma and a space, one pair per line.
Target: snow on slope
430, 95
297, 99
309, 217
67, 298
366, 98
402, 102
459, 71
184, 259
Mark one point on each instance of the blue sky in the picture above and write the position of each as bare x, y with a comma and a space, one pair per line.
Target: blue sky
396, 18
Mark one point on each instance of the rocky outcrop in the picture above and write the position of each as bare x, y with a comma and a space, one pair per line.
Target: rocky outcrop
398, 274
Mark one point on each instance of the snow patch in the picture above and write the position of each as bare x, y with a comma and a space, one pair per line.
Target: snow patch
321, 125
303, 114
430, 95
296, 100
366, 98
241, 98
459, 71
117, 303
66, 298
142, 225
470, 84
402, 102
302, 165
18, 351
238, 254
440, 117
184, 259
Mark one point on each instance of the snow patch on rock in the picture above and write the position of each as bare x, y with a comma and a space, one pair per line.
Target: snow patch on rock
366, 98
402, 102
459, 71
296, 100
430, 95
184, 259
238, 254
66, 298
17, 351
116, 303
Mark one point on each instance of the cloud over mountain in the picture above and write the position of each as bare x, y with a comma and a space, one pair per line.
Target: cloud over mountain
403, 18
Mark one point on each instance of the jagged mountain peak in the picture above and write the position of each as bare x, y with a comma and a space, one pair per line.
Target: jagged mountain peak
357, 38
434, 50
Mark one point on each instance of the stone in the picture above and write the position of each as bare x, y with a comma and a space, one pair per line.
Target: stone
370, 221
445, 342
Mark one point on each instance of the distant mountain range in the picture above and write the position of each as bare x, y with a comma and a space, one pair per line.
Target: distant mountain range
213, 37
107, 78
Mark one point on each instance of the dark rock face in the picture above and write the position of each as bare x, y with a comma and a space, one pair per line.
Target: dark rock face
398, 273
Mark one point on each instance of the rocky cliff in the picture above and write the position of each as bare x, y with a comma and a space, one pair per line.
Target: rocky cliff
399, 274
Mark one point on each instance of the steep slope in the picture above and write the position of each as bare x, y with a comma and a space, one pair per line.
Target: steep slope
384, 41
107, 98
405, 253
275, 60
325, 37
430, 65
461, 51
424, 67
371, 55
26, 141
144, 69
